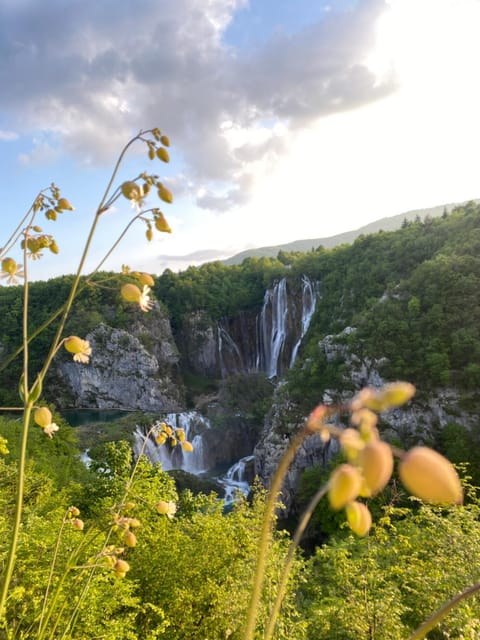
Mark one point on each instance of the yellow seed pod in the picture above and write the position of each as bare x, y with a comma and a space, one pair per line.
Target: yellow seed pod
74, 344
9, 266
145, 188
187, 446
366, 422
77, 524
359, 518
63, 204
431, 477
149, 234
130, 539
351, 443
151, 153
51, 214
165, 141
161, 224
131, 190
180, 433
165, 194
376, 464
344, 486
162, 154
395, 394
130, 292
54, 247
43, 417
145, 278
121, 566
161, 438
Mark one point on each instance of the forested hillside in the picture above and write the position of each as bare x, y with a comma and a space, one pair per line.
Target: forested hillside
412, 294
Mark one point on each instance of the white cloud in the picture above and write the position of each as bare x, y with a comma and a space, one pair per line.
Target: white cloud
97, 73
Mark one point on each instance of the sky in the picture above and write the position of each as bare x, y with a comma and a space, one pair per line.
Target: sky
288, 119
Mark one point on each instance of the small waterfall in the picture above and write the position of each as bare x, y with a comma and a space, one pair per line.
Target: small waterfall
237, 479
227, 344
174, 457
309, 301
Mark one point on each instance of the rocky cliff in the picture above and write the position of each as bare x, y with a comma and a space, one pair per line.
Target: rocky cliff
134, 369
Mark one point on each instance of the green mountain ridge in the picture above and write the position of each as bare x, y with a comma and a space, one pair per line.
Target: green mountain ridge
391, 223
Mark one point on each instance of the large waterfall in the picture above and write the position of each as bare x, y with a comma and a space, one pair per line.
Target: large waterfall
271, 342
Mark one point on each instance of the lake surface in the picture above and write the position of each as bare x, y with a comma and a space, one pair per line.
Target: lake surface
79, 417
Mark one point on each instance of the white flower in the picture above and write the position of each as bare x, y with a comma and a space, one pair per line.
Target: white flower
81, 349
50, 429
144, 302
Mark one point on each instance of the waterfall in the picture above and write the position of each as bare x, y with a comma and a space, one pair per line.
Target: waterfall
237, 479
270, 342
174, 457
309, 300
273, 328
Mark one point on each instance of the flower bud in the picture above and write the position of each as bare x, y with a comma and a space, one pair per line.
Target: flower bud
145, 278
351, 443
43, 417
316, 418
187, 446
161, 224
376, 464
344, 486
165, 141
130, 292
121, 567
430, 476
130, 539
359, 518
131, 190
74, 344
162, 154
9, 266
63, 204
165, 194
77, 524
74, 512
149, 234
161, 438
151, 153
51, 214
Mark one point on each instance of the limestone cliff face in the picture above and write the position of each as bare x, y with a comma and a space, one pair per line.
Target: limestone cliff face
413, 424
129, 369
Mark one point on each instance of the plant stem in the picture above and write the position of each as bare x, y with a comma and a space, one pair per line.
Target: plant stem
265, 533
444, 610
23, 452
307, 514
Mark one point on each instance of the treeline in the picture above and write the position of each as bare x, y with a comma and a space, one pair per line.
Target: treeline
413, 295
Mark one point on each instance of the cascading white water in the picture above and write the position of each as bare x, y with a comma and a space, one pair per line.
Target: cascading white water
225, 341
273, 328
309, 301
276, 320
236, 479
174, 457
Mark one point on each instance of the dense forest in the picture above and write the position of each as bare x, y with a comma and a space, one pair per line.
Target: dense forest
412, 298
